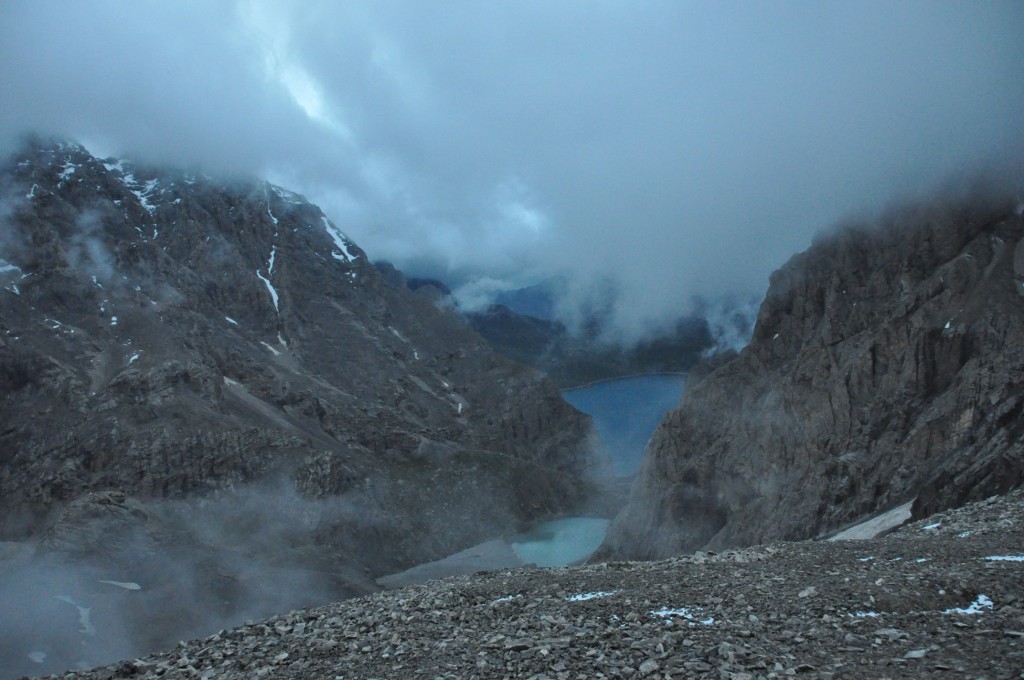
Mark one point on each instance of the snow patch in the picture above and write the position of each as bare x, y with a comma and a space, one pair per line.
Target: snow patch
68, 170
980, 603
507, 598
583, 597
270, 262
1005, 558
933, 526
340, 240
32, 192
83, 614
113, 321
865, 615
127, 585
274, 351
230, 321
281, 340
132, 360
681, 613
270, 288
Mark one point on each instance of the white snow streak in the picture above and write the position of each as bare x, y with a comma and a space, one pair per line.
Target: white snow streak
230, 321
270, 287
132, 360
1005, 558
340, 240
127, 585
274, 351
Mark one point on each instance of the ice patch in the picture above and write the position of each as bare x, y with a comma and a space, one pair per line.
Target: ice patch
933, 526
83, 614
340, 240
583, 597
680, 613
865, 559
919, 560
980, 603
270, 262
230, 321
132, 360
274, 351
1005, 558
270, 287
127, 585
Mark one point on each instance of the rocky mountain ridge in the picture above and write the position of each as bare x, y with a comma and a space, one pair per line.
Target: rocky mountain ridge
887, 365
212, 374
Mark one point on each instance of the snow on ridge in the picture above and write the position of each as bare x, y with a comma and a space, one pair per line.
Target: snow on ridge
68, 170
340, 240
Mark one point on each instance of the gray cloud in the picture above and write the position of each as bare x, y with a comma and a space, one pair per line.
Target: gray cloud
647, 153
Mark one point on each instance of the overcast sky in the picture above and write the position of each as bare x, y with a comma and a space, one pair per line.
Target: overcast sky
647, 151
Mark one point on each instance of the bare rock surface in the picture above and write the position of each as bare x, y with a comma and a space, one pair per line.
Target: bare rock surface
938, 598
886, 365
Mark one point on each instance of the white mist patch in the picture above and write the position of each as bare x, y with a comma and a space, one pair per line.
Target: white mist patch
560, 542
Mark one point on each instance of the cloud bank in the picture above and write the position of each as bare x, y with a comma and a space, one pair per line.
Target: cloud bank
644, 154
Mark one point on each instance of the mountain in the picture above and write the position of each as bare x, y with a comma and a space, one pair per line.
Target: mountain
886, 366
211, 374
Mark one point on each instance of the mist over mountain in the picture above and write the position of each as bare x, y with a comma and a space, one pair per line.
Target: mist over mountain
212, 398
648, 156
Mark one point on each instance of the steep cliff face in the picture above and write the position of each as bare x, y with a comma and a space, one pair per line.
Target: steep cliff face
887, 364
165, 336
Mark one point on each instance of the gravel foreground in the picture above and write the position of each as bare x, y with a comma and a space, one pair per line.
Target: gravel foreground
939, 598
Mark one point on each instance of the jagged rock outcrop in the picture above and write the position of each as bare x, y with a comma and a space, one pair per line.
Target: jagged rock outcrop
166, 336
887, 364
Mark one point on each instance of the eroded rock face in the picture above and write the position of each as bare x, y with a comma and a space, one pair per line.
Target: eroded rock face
166, 336
887, 364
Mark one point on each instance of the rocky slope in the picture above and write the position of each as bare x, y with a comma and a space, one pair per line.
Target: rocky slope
887, 364
939, 598
165, 337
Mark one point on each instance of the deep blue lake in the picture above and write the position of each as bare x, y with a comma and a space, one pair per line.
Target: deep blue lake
626, 411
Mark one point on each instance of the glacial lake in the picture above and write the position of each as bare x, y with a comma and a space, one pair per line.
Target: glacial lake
626, 411
560, 542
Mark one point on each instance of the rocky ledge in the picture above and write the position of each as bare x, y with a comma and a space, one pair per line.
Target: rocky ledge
936, 598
